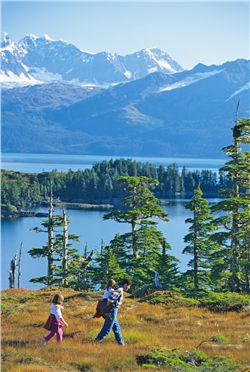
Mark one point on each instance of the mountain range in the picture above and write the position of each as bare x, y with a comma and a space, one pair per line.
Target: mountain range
40, 59
174, 113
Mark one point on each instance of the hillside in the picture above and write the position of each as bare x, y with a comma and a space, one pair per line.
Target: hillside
145, 327
186, 114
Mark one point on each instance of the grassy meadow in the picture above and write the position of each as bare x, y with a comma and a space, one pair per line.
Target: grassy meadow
144, 327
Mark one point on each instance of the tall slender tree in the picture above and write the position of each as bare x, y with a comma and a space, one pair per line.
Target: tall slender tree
198, 239
47, 251
167, 268
234, 219
19, 272
65, 254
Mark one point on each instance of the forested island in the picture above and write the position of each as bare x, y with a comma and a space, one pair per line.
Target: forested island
91, 188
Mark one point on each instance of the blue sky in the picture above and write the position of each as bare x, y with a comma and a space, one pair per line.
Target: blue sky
191, 32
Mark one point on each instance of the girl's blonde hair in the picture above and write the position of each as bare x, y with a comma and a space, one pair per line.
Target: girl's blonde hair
58, 299
111, 283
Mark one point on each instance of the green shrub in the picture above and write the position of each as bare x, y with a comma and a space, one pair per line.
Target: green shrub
164, 358
194, 357
225, 301
170, 298
193, 360
4, 297
27, 297
220, 364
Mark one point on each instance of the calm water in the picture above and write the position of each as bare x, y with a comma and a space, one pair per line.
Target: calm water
91, 228
48, 162
89, 225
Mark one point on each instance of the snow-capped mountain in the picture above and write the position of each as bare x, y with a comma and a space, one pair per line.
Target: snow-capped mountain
147, 60
13, 70
42, 59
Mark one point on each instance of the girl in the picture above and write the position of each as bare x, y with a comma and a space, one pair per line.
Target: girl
55, 320
111, 290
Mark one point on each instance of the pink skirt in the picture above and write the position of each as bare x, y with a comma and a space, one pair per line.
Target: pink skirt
52, 324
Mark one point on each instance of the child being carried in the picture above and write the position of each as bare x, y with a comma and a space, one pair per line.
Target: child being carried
111, 295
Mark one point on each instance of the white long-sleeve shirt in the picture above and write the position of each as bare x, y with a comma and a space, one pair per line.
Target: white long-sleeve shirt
110, 294
56, 310
119, 296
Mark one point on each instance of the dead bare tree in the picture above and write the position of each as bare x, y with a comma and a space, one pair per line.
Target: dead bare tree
65, 248
19, 266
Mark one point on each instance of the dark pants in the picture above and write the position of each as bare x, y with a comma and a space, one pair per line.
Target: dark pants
111, 323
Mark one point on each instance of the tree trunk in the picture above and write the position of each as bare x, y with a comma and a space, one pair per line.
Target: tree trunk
196, 281
65, 250
135, 253
12, 272
196, 264
235, 244
50, 242
19, 267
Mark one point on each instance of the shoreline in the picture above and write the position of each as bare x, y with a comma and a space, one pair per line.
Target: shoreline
62, 205
78, 205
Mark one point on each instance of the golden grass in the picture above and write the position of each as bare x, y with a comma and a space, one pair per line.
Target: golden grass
144, 327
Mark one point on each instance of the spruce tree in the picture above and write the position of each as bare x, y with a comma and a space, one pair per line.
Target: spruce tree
106, 267
232, 260
167, 268
139, 251
198, 239
80, 277
149, 243
140, 207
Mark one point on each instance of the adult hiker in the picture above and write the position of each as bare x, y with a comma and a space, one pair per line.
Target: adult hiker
106, 303
111, 322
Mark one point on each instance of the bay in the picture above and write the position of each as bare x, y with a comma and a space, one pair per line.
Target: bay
29, 162
89, 225
91, 228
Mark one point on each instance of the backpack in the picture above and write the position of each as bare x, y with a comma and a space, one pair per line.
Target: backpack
103, 307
